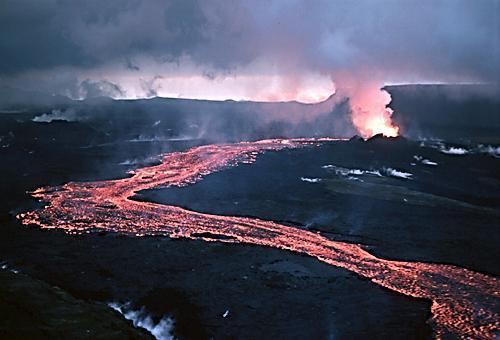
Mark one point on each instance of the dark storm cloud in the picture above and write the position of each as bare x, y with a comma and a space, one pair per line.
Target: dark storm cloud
44, 34
391, 40
31, 38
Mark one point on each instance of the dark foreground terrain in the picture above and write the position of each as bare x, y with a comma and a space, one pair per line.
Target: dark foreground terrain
55, 285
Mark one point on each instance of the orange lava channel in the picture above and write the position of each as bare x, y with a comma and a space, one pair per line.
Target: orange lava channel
464, 303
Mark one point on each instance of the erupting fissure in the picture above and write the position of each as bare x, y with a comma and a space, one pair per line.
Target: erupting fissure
370, 112
463, 302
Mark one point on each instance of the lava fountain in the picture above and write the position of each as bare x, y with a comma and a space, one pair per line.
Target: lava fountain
464, 303
370, 114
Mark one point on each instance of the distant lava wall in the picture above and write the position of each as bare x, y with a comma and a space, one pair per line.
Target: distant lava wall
450, 112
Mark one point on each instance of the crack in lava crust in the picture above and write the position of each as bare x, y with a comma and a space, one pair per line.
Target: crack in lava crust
464, 303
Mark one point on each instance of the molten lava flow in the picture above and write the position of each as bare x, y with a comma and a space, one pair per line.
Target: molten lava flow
463, 302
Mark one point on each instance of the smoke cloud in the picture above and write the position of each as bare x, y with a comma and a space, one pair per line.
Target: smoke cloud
259, 50
69, 115
160, 330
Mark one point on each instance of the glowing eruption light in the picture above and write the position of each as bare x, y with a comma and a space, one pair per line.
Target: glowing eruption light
380, 123
464, 303
370, 114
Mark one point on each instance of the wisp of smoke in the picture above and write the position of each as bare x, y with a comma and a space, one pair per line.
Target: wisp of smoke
397, 173
351, 173
310, 180
161, 330
55, 115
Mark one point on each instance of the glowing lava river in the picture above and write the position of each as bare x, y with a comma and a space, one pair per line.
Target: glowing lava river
464, 303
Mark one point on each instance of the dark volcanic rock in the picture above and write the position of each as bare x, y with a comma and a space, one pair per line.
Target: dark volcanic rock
451, 112
267, 292
32, 309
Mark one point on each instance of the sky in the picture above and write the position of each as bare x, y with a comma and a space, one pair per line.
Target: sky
264, 50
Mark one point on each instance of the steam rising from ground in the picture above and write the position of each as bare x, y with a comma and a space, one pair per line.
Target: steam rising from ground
310, 180
461, 150
355, 173
161, 330
397, 173
424, 161
454, 151
67, 115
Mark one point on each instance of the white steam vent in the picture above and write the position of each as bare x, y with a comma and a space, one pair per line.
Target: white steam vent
161, 330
